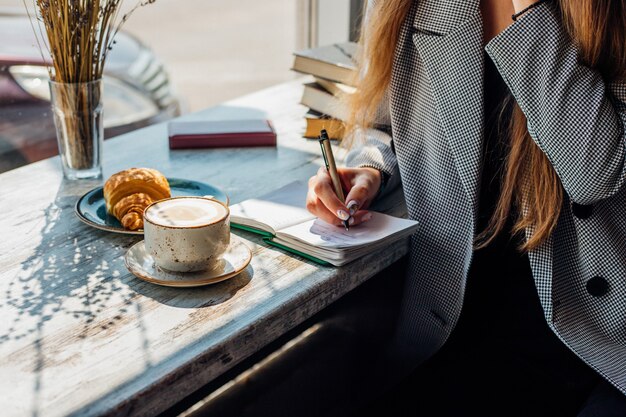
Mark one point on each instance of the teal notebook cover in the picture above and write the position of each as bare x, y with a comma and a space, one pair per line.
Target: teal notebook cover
269, 241
252, 229
267, 238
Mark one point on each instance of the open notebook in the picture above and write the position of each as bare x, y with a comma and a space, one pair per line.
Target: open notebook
284, 222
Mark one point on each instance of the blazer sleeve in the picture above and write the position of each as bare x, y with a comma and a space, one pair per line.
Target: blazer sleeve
576, 118
376, 152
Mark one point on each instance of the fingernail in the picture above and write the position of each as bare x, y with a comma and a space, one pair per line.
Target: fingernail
343, 215
351, 221
367, 217
353, 206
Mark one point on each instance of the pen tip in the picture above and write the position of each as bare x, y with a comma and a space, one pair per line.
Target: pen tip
345, 224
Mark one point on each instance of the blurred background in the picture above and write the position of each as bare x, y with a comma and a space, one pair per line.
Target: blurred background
215, 50
175, 57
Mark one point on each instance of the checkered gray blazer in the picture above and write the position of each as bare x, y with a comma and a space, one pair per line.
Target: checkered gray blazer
436, 114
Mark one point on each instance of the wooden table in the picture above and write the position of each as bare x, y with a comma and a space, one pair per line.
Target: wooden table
80, 335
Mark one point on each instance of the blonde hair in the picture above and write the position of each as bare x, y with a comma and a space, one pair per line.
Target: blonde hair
529, 183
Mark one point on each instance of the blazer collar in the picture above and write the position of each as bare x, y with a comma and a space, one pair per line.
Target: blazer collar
443, 16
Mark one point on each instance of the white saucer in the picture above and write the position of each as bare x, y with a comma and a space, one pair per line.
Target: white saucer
233, 261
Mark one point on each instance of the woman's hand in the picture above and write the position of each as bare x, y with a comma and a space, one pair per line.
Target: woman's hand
361, 185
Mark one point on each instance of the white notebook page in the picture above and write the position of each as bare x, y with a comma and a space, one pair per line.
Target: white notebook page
318, 233
278, 209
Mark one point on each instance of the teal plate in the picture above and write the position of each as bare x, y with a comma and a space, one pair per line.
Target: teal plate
91, 209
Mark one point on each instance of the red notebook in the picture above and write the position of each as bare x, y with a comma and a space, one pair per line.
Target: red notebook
221, 134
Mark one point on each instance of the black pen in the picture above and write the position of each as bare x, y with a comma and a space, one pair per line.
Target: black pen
331, 167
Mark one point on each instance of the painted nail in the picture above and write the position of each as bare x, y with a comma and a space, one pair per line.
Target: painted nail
353, 207
343, 215
367, 217
351, 221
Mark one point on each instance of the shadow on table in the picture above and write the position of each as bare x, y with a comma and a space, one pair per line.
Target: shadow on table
66, 274
198, 297
76, 277
74, 284
69, 278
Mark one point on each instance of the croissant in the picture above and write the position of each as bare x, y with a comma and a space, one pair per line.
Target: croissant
129, 192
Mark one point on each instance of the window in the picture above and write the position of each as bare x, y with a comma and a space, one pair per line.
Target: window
175, 56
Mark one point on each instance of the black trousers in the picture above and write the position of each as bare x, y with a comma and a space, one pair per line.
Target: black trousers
484, 371
457, 384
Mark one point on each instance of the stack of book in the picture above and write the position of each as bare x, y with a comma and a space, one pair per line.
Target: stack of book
333, 68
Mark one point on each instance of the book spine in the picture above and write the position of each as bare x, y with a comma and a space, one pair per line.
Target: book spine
335, 128
323, 102
222, 140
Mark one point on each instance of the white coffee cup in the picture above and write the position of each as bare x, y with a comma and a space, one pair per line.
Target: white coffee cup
185, 234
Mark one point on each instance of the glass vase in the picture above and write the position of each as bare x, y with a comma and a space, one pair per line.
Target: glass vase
77, 109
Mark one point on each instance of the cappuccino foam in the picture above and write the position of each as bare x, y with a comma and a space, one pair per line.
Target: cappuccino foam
186, 212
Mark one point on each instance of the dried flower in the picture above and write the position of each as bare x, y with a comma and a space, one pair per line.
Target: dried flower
78, 35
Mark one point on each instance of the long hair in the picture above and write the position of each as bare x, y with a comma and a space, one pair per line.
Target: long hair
530, 185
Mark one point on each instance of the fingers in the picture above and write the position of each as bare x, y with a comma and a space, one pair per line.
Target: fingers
323, 188
360, 217
357, 198
324, 203
316, 207
361, 193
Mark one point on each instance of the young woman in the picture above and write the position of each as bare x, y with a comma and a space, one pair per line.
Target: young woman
507, 135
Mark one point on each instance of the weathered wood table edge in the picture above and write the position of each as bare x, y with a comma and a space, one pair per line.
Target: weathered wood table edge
201, 361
